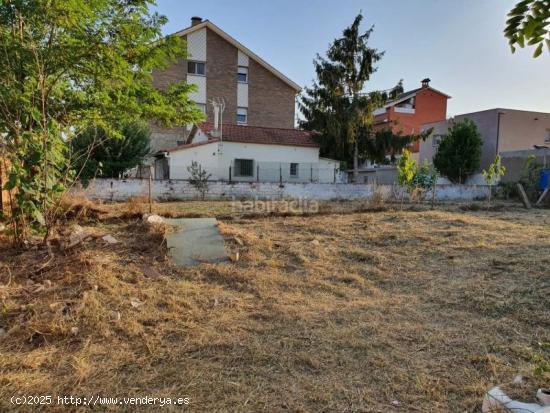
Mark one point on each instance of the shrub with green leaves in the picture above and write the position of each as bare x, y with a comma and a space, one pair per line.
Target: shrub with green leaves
495, 171
528, 24
425, 177
97, 153
530, 177
67, 65
459, 152
406, 169
198, 178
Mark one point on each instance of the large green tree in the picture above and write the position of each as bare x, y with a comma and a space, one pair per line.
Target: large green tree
529, 24
69, 64
98, 153
459, 153
383, 146
336, 106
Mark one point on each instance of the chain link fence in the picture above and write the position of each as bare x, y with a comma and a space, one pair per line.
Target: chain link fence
248, 170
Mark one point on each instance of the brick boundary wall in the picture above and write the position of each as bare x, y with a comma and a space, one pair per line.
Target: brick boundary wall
180, 190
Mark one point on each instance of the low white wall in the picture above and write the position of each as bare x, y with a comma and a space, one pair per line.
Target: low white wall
120, 190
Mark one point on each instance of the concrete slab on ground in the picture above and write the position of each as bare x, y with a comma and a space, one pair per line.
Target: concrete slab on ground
195, 241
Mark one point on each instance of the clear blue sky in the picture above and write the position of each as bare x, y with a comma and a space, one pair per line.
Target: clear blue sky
457, 43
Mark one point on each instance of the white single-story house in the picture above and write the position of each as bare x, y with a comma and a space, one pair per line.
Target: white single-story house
249, 154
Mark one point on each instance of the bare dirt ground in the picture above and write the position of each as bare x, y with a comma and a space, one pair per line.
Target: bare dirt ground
342, 312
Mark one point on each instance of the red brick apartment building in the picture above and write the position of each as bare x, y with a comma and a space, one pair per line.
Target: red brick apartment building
254, 92
412, 109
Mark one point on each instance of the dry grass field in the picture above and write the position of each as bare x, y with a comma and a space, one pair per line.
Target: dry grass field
413, 311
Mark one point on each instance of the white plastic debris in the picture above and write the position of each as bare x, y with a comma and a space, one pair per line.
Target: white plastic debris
543, 396
136, 302
154, 219
116, 316
109, 239
235, 256
497, 401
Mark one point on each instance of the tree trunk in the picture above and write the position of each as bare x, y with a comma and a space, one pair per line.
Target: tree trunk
355, 162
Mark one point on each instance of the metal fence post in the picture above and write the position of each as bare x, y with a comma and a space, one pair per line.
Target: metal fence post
1, 190
280, 174
258, 173
311, 173
229, 173
334, 175
150, 189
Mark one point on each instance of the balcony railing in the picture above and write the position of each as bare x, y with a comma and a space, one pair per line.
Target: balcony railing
404, 110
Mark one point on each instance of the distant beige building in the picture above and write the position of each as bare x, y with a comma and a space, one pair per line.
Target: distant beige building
502, 130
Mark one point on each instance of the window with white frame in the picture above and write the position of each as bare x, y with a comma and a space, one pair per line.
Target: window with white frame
242, 116
202, 107
244, 167
196, 68
294, 169
547, 138
242, 74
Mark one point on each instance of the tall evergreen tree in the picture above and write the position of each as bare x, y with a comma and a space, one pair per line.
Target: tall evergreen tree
336, 106
96, 152
385, 145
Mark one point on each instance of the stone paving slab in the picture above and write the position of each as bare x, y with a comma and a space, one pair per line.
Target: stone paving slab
195, 241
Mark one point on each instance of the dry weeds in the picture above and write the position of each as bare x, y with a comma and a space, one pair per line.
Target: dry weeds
365, 312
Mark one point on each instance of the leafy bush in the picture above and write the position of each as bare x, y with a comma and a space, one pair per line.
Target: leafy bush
67, 65
406, 169
530, 177
199, 178
496, 170
99, 153
459, 152
416, 181
425, 177
507, 190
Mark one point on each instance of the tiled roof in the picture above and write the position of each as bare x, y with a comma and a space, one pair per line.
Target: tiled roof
188, 145
406, 95
267, 136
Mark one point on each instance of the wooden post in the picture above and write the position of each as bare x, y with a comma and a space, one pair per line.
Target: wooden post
524, 197
541, 198
1, 190
150, 189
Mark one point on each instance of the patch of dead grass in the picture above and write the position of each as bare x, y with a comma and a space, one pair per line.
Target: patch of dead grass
324, 313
